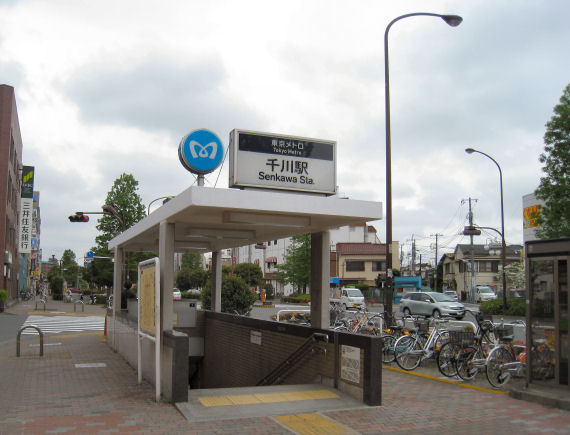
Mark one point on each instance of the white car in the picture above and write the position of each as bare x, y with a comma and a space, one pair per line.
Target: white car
484, 293
176, 294
452, 294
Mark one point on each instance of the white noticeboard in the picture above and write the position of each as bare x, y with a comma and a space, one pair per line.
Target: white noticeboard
272, 161
350, 363
149, 315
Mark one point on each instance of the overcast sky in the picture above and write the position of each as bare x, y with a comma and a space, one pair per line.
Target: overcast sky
106, 87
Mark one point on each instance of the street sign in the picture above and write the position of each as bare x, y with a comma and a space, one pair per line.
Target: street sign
90, 254
471, 231
201, 151
274, 161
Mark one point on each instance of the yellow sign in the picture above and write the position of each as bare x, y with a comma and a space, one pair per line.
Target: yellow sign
529, 216
147, 293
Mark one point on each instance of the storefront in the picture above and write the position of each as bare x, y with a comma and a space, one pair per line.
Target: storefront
547, 313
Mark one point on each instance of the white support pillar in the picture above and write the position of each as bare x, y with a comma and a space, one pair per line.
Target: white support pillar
216, 281
320, 280
117, 287
166, 257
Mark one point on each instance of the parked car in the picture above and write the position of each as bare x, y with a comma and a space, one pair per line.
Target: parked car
452, 294
484, 293
177, 295
431, 304
348, 298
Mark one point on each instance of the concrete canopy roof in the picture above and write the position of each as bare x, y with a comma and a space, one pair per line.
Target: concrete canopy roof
210, 219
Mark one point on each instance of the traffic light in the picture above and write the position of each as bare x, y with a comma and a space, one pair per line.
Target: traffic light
79, 217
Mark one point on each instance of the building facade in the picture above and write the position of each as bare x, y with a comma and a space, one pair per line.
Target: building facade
10, 179
272, 252
457, 269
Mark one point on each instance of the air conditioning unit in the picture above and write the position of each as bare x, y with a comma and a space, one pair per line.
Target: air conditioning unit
7, 257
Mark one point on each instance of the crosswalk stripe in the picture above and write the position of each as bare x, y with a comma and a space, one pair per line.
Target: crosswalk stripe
58, 324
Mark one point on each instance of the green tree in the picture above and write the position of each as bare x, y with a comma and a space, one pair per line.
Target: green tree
296, 269
128, 210
515, 274
191, 260
236, 295
187, 279
554, 188
251, 273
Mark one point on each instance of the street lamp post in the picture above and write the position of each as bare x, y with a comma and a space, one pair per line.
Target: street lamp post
453, 21
504, 247
113, 210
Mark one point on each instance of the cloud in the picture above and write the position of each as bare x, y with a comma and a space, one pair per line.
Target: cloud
158, 94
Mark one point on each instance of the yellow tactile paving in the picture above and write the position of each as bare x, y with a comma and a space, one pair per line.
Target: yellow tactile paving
244, 399
215, 401
250, 399
311, 424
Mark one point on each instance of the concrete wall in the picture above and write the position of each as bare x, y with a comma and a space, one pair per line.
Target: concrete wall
240, 351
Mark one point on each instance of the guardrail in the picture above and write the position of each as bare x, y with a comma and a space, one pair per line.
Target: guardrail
41, 339
302, 310
82, 305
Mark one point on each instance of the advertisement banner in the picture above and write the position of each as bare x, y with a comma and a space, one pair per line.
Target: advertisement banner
26, 210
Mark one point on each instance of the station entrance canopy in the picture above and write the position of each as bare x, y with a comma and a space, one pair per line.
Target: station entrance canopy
209, 219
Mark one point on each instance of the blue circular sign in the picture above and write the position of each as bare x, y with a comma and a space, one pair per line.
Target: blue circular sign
201, 151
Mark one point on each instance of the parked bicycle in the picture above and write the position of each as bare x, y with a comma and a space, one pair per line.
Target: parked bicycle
413, 348
466, 352
26, 295
508, 360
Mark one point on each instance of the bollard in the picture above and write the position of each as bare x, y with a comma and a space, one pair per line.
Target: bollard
41, 339
43, 301
82, 306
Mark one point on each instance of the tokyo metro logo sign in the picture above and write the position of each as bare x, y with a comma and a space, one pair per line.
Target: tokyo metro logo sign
201, 151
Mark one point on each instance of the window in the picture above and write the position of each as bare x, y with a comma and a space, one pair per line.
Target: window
378, 266
488, 266
355, 266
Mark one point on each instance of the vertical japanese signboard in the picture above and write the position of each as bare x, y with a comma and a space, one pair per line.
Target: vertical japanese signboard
267, 160
149, 316
26, 210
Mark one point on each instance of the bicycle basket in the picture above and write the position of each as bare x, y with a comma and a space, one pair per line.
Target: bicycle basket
461, 337
504, 331
422, 325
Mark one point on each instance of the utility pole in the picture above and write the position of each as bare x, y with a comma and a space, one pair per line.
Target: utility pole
436, 260
473, 278
420, 272
413, 262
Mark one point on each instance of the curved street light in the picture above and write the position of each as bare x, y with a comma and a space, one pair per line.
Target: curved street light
504, 247
453, 21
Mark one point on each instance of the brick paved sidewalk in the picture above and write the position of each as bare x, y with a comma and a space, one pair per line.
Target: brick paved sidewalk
51, 395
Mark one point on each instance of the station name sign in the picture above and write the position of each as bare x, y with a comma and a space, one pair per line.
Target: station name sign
272, 161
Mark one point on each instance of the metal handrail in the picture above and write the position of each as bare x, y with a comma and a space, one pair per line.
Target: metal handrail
41, 339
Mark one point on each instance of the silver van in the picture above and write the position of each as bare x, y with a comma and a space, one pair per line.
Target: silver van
431, 304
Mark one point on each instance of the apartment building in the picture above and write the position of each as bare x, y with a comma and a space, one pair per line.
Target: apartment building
10, 179
457, 269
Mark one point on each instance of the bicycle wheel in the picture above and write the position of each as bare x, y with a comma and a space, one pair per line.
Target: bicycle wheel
465, 363
408, 352
441, 339
496, 374
446, 359
388, 342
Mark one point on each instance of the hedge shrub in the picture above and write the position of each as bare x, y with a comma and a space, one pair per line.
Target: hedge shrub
515, 307
297, 298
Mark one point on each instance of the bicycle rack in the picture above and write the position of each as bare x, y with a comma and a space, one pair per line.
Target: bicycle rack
43, 301
82, 306
41, 339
